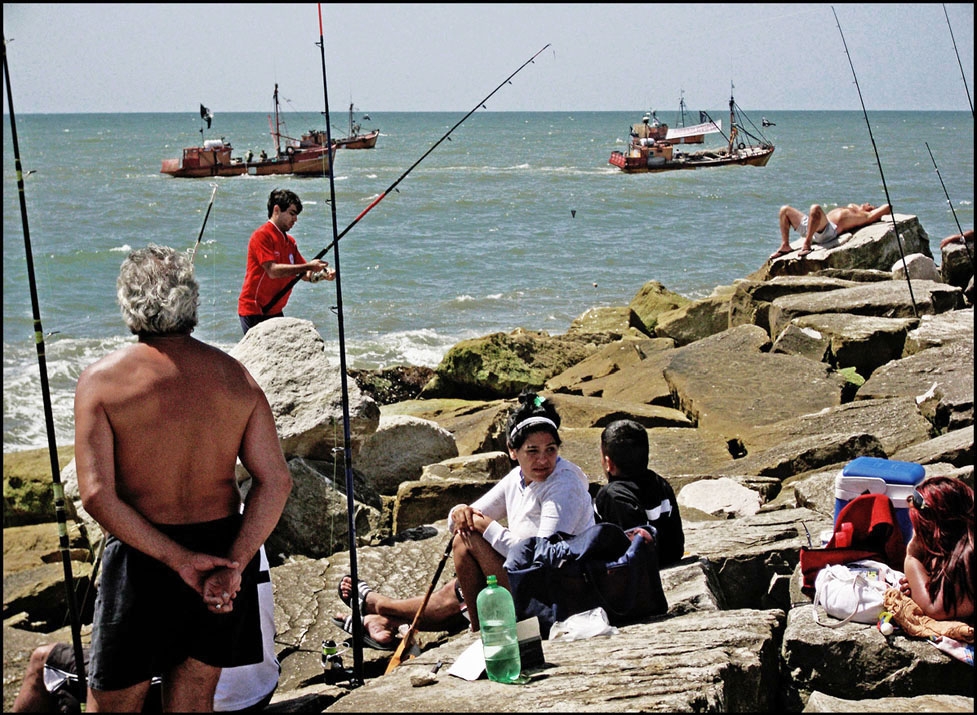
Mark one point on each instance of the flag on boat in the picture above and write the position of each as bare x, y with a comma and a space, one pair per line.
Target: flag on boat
206, 114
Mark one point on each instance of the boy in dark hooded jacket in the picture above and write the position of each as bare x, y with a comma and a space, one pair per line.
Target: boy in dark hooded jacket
634, 494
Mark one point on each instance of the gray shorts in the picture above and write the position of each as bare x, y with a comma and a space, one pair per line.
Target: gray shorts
829, 233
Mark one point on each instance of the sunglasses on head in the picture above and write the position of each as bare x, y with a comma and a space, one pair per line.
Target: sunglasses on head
916, 499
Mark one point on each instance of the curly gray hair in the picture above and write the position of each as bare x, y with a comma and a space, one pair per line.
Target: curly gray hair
158, 292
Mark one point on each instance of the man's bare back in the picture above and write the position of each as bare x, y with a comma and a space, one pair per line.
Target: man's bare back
177, 410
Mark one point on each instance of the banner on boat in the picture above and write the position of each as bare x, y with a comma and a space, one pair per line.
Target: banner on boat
706, 128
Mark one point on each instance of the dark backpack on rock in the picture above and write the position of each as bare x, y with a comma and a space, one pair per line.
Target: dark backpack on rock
555, 577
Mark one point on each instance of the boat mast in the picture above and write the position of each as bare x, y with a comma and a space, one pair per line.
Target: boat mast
732, 127
277, 134
681, 107
350, 120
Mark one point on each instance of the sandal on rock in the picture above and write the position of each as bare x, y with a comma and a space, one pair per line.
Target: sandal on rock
362, 589
365, 638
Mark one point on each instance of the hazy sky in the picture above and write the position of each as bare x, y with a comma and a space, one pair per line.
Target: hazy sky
432, 57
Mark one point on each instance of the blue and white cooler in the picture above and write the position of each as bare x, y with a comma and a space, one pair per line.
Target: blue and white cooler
873, 475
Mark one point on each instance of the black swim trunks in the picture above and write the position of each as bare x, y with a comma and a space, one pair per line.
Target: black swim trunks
147, 620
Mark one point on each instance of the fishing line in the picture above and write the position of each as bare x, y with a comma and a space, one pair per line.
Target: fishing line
357, 677
58, 488
892, 213
959, 63
393, 186
950, 204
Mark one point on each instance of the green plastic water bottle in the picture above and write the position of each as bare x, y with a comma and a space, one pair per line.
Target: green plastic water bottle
500, 642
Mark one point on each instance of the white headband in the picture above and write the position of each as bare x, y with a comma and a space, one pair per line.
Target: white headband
532, 421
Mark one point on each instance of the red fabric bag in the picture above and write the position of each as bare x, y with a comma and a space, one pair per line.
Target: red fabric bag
875, 534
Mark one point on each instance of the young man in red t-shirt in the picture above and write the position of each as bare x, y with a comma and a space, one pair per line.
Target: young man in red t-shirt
274, 262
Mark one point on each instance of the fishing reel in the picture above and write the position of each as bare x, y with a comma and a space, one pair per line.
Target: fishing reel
333, 670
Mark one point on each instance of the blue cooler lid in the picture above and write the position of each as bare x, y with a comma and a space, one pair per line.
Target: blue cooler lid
891, 471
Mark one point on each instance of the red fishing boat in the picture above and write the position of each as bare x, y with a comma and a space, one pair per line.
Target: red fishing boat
214, 157
652, 146
353, 140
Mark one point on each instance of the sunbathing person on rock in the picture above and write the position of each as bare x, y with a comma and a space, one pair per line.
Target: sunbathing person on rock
542, 495
819, 227
939, 564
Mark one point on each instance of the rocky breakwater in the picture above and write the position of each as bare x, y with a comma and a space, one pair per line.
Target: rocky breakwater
753, 398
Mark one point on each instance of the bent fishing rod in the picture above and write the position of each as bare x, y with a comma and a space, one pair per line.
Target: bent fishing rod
204, 225
892, 213
403, 176
356, 679
950, 204
964, 76
58, 488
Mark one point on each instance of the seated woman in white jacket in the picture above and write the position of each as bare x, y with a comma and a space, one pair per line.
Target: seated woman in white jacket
542, 495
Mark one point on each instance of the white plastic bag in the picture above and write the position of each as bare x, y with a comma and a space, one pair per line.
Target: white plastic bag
583, 625
853, 591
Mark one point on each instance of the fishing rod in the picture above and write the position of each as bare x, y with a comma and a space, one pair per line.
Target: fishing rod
58, 488
400, 178
950, 204
892, 213
202, 227
356, 679
958, 60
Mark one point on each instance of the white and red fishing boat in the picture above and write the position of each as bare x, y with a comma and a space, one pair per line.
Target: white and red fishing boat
355, 139
652, 146
214, 157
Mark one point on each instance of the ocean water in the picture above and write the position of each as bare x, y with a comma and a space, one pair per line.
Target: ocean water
517, 221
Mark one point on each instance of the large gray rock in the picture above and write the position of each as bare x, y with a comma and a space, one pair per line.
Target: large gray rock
641, 380
844, 340
477, 426
856, 661
956, 448
891, 299
723, 496
315, 521
589, 376
699, 319
500, 365
955, 326
821, 703
645, 668
941, 380
917, 267
750, 302
615, 321
895, 423
652, 300
286, 357
957, 263
704, 375
400, 449
873, 247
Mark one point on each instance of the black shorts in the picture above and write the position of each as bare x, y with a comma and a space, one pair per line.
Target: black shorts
147, 620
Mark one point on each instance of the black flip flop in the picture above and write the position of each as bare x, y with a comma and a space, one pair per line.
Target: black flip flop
361, 589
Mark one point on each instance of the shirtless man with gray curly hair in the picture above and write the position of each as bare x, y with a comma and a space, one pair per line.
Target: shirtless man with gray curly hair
159, 426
